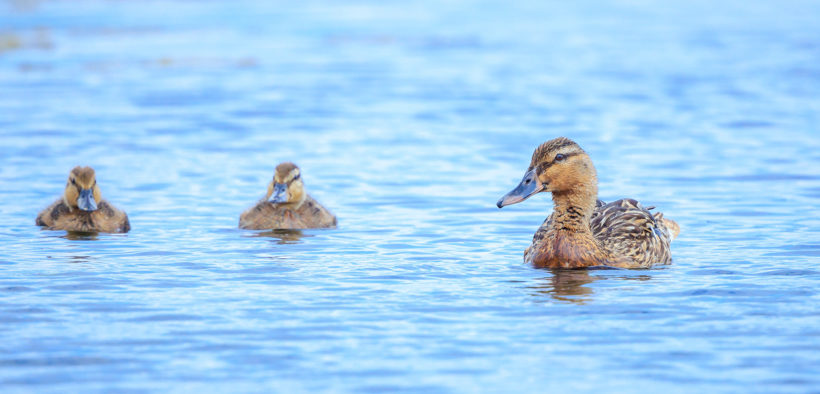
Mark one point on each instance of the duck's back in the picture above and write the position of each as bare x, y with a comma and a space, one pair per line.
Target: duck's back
106, 218
625, 228
266, 216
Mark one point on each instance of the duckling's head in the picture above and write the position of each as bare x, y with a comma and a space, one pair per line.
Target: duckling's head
557, 166
286, 186
81, 190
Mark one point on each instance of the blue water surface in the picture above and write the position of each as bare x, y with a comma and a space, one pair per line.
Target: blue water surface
409, 120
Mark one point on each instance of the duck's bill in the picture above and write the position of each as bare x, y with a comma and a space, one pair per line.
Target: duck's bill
86, 200
527, 188
280, 193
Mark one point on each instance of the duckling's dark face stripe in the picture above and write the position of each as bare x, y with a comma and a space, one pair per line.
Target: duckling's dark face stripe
286, 177
82, 177
289, 180
284, 170
73, 182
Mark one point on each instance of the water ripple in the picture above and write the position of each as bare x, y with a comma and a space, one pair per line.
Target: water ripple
409, 120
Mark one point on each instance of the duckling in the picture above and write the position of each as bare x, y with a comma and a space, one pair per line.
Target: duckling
82, 207
286, 205
583, 231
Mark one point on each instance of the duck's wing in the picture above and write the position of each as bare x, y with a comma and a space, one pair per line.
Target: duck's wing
112, 220
314, 215
626, 229
262, 216
48, 217
124, 224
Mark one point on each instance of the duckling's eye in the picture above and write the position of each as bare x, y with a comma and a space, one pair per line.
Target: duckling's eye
72, 181
560, 157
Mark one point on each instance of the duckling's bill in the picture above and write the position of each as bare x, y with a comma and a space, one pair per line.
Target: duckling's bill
280, 193
529, 186
86, 200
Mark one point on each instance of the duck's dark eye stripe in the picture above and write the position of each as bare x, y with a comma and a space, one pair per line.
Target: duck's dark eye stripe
543, 166
564, 156
296, 177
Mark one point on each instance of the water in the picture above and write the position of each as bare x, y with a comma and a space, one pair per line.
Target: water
409, 121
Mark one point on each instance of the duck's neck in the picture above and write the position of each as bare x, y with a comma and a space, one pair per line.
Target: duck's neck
572, 210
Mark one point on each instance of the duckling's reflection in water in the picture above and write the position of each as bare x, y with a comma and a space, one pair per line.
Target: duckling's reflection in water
80, 236
80, 259
283, 237
570, 285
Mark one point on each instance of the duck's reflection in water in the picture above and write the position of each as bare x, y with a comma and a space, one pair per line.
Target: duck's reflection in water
570, 285
283, 237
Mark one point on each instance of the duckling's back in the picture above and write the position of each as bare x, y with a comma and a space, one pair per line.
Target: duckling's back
266, 216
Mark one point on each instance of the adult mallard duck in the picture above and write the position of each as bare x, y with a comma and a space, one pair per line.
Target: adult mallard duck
286, 205
82, 207
583, 231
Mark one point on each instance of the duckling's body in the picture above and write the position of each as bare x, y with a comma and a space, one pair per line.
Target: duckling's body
106, 219
82, 208
583, 231
266, 215
287, 205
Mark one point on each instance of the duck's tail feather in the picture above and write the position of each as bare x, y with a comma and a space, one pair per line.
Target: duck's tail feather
672, 226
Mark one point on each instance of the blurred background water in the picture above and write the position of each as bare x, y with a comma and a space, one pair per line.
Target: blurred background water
409, 121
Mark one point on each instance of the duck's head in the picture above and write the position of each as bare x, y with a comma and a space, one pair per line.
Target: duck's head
557, 166
286, 186
81, 190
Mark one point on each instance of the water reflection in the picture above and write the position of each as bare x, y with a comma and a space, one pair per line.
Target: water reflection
571, 285
80, 236
80, 259
566, 285
283, 237
181, 121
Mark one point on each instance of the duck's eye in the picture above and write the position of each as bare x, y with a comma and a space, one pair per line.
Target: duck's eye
72, 181
560, 157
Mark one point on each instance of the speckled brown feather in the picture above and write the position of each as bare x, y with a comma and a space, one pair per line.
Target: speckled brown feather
106, 219
624, 234
625, 228
556, 248
267, 216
